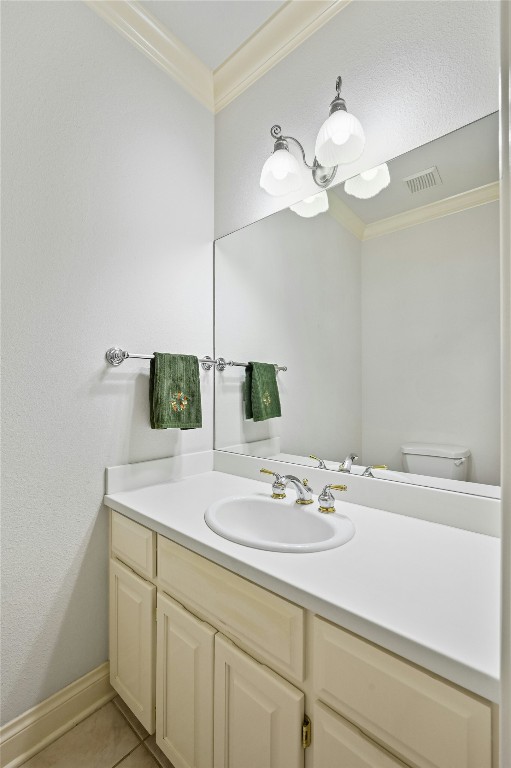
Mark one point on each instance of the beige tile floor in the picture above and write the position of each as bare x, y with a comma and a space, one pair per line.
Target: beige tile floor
111, 737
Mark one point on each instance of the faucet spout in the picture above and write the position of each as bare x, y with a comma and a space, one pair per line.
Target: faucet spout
347, 463
303, 491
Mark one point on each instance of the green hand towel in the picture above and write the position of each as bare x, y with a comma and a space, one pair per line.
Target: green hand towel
261, 392
174, 392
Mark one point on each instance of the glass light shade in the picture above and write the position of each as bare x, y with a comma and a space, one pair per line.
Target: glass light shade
340, 139
311, 206
368, 183
281, 173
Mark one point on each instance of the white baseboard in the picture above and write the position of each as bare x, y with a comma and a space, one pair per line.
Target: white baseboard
35, 729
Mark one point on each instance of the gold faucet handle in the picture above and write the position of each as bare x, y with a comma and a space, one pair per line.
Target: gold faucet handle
321, 463
379, 466
279, 490
326, 498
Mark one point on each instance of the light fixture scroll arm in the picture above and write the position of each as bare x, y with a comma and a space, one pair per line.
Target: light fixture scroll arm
322, 176
276, 133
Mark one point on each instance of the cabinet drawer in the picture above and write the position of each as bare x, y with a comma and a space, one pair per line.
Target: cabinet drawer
134, 545
338, 743
426, 722
263, 624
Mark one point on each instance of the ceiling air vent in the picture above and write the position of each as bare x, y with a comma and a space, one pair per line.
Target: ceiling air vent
423, 180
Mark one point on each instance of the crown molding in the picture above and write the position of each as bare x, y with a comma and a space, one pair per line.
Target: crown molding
343, 214
158, 43
474, 197
290, 26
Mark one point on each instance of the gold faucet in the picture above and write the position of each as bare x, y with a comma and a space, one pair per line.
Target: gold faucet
303, 490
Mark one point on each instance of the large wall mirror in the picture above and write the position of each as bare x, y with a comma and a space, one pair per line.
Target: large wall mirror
385, 312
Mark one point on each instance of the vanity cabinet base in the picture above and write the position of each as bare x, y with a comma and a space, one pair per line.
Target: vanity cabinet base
222, 644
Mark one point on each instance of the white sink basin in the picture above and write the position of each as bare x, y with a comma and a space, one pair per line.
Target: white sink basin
277, 525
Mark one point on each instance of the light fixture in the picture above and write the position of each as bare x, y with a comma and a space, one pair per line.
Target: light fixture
311, 206
368, 183
281, 172
340, 140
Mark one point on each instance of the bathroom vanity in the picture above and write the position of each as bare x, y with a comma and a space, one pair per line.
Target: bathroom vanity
332, 658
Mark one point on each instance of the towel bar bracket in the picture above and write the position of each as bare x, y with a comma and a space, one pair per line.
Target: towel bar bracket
116, 355
207, 363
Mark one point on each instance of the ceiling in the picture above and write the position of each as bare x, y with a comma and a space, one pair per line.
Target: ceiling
212, 30
466, 159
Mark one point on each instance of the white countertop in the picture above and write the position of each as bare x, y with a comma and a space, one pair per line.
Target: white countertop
426, 591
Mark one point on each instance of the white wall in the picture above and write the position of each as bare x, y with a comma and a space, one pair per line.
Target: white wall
107, 229
431, 340
288, 291
412, 71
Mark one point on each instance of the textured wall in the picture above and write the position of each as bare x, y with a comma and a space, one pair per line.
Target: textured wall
431, 341
288, 290
412, 71
107, 229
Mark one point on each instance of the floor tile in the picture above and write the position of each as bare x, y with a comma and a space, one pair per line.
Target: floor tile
154, 749
99, 741
139, 758
131, 718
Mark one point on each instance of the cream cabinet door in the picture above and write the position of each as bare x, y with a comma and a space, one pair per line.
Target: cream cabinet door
132, 641
258, 715
184, 686
337, 744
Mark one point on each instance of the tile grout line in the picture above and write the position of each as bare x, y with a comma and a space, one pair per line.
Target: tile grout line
78, 724
125, 756
142, 740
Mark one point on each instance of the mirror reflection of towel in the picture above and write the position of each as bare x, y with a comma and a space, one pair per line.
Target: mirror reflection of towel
174, 392
261, 392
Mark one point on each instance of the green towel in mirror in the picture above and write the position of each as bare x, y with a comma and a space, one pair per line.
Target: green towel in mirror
261, 392
174, 392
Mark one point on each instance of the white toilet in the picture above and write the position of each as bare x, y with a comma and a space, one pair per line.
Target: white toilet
436, 460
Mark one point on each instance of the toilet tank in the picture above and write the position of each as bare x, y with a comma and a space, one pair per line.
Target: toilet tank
436, 460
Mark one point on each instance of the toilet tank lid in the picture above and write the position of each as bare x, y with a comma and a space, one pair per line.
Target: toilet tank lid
436, 449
